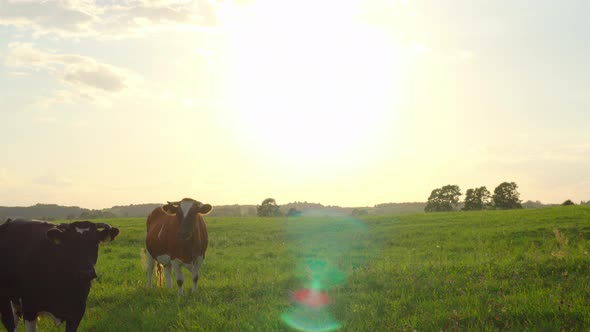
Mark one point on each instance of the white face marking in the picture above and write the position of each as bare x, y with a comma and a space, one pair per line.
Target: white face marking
82, 230
185, 206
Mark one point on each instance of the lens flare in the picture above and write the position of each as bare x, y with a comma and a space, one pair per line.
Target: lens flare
311, 304
322, 275
311, 298
327, 247
310, 319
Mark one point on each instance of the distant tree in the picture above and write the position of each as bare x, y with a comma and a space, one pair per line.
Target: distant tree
532, 204
443, 199
95, 214
568, 202
108, 214
293, 212
506, 196
268, 208
359, 212
227, 211
85, 215
477, 199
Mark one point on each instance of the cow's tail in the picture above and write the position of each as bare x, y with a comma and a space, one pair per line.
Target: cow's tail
160, 274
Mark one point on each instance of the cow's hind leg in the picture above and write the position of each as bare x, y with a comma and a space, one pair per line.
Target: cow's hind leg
177, 265
196, 272
151, 262
168, 275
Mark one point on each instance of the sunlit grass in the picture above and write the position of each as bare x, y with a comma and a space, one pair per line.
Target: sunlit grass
472, 271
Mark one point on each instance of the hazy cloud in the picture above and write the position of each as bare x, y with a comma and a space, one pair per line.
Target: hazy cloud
24, 55
85, 77
89, 73
59, 17
68, 18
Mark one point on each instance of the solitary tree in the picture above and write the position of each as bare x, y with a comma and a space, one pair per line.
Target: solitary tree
443, 199
568, 202
506, 196
477, 198
268, 208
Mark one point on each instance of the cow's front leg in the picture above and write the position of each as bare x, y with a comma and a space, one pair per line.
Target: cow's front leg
195, 272
9, 318
30, 319
177, 264
17, 312
31, 324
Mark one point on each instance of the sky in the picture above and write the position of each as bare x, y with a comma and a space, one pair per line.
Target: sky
349, 103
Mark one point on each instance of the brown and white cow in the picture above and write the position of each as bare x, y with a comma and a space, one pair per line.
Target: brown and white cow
176, 237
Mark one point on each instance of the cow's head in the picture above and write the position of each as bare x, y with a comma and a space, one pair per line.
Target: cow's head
80, 241
186, 212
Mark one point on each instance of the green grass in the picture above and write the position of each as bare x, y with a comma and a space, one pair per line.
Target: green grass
467, 271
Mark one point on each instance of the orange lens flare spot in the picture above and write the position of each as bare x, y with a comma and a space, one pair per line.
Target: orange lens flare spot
311, 298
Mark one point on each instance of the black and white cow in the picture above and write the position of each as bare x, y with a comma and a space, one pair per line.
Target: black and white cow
48, 268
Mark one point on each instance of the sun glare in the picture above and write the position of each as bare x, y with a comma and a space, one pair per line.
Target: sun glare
308, 78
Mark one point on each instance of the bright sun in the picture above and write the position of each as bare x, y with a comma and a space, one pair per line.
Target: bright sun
308, 78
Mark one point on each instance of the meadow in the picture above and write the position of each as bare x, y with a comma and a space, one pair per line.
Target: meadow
518, 270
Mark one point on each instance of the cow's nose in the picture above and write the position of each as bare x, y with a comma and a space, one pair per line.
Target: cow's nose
87, 274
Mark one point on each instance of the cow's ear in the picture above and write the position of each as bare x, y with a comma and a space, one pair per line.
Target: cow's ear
107, 235
205, 208
55, 235
170, 208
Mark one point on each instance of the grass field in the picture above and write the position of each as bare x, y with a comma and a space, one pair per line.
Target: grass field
471, 271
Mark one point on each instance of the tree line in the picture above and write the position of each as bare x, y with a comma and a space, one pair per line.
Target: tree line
447, 198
